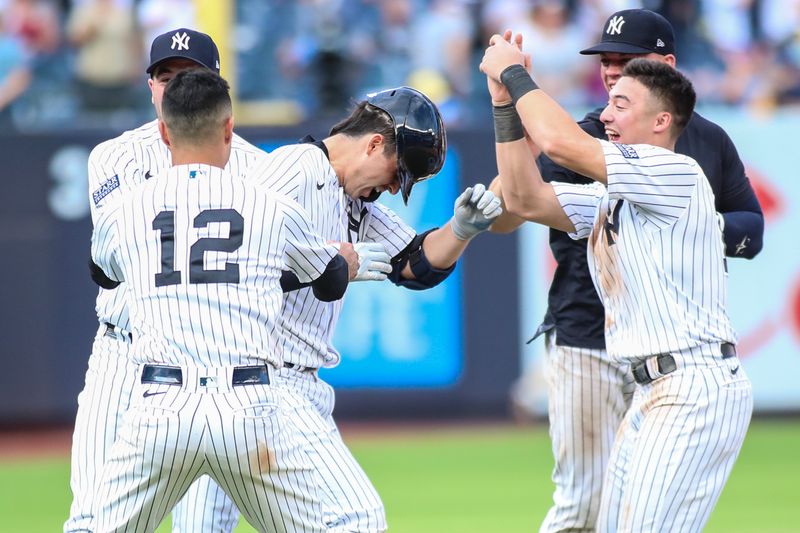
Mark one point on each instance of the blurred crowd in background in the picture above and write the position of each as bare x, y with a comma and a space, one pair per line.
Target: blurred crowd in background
80, 63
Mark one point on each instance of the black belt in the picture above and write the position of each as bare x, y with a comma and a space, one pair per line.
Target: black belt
666, 364
172, 375
117, 333
299, 368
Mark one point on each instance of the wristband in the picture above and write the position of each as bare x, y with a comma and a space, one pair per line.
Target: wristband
517, 81
507, 124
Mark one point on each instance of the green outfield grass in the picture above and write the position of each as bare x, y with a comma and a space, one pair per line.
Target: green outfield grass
487, 480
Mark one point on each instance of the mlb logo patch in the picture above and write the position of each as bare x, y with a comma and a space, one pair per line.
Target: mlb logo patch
105, 189
627, 151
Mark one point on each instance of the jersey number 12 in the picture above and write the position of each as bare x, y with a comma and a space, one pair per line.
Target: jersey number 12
165, 223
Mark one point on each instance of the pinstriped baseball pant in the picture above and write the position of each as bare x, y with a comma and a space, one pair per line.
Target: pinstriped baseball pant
349, 500
587, 399
244, 437
106, 395
676, 448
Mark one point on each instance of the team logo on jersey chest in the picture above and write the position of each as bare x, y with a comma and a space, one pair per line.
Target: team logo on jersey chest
105, 189
354, 221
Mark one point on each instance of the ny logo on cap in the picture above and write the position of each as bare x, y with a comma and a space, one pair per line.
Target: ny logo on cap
615, 25
181, 40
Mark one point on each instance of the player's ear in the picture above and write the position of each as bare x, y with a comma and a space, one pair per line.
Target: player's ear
375, 142
229, 129
162, 129
663, 122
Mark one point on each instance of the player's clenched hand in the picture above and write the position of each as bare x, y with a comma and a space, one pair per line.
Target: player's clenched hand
347, 251
374, 261
475, 210
500, 55
497, 90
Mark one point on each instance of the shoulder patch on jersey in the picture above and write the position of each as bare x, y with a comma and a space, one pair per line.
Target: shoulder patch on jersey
105, 189
627, 151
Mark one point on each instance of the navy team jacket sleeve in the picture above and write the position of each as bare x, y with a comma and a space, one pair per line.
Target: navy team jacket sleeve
744, 220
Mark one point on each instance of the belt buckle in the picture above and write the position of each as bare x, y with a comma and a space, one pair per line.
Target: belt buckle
652, 368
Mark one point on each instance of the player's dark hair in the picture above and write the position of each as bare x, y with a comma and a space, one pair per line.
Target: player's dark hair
195, 105
668, 85
367, 118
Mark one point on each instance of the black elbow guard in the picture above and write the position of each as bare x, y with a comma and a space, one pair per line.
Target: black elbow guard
332, 284
290, 282
99, 277
426, 275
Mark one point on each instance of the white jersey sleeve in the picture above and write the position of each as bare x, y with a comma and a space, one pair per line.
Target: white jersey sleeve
580, 203
109, 165
105, 243
657, 181
374, 222
307, 254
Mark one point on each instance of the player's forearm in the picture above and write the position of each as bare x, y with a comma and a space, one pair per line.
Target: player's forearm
743, 233
442, 249
526, 195
554, 131
506, 222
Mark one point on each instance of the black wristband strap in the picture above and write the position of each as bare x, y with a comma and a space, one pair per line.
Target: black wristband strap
517, 81
507, 124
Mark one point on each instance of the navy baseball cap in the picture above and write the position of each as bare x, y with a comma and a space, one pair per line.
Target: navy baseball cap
186, 44
635, 31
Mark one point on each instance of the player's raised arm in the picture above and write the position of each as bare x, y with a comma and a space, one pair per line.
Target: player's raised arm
549, 126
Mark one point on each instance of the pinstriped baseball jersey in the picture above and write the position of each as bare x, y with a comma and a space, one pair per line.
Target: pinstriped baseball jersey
203, 252
655, 252
303, 173
119, 164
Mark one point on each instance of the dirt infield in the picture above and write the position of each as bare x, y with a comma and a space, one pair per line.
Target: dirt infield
36, 442
56, 441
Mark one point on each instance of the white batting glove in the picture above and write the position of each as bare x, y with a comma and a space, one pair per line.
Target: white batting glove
373, 261
475, 210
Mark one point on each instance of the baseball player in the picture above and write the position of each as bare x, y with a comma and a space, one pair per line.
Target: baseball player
392, 140
582, 379
202, 252
656, 257
115, 167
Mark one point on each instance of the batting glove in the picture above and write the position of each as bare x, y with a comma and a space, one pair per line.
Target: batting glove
373, 261
475, 210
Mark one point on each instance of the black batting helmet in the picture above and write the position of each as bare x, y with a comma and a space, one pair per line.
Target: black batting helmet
419, 131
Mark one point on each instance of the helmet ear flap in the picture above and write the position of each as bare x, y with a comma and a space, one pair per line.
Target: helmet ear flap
419, 132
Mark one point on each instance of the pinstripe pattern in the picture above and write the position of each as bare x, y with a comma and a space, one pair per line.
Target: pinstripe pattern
298, 171
106, 394
588, 396
303, 173
240, 436
132, 157
659, 270
676, 448
207, 325
656, 257
230, 323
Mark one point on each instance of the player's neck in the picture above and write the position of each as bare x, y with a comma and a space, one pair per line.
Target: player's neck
204, 156
337, 146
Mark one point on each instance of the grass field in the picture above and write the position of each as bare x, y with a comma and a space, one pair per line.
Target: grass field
485, 479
